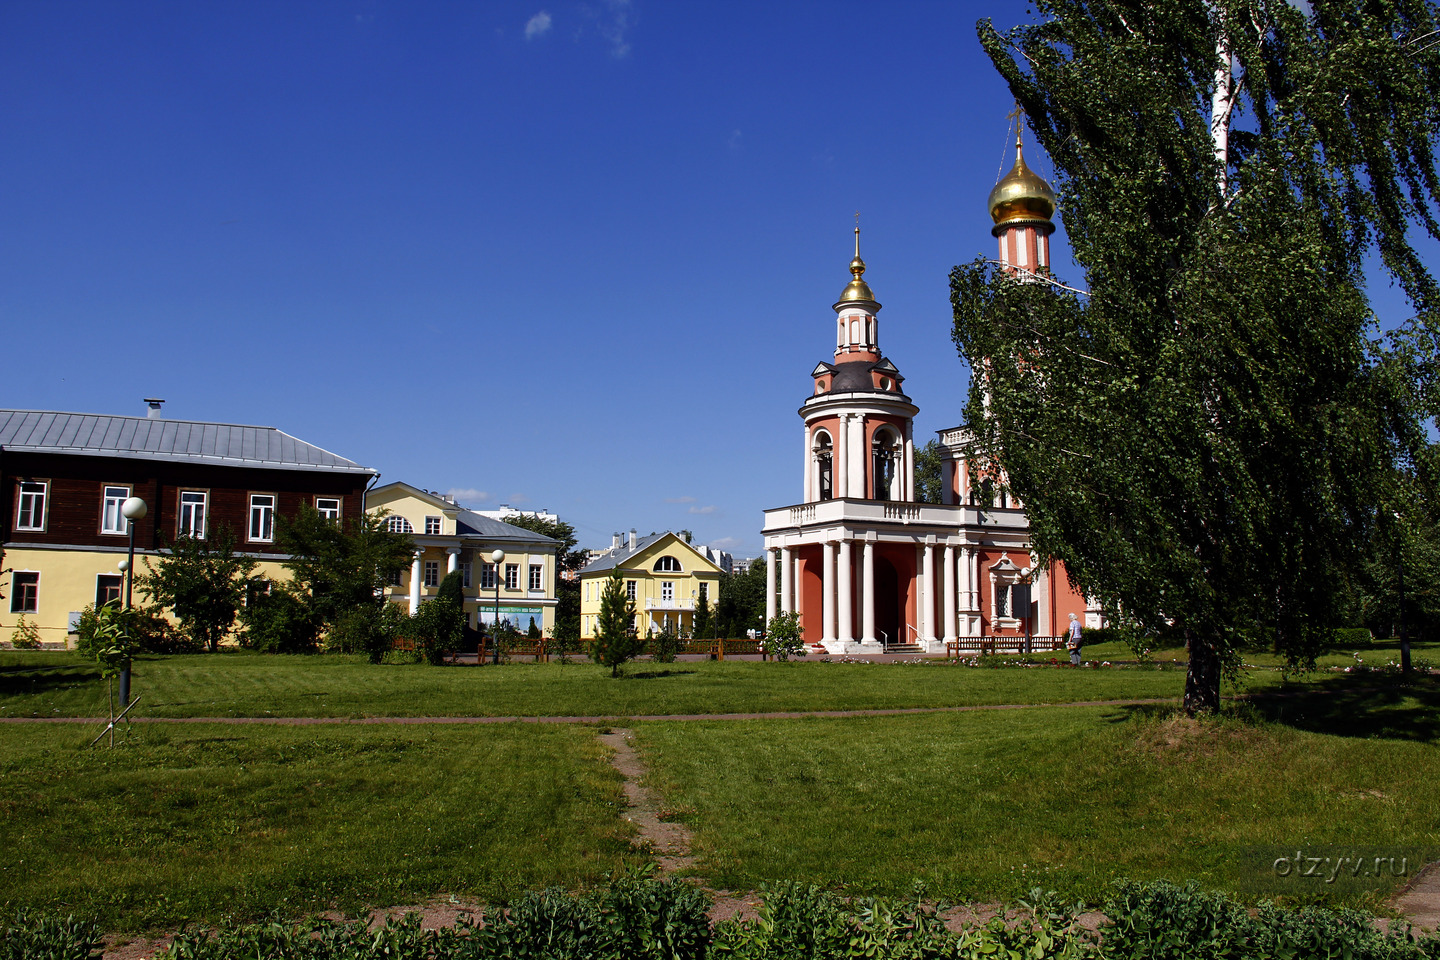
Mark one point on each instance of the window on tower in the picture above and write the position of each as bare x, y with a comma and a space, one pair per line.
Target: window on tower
884, 453
825, 466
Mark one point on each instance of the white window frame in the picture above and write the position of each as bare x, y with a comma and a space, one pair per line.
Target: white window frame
112, 498
512, 576
119, 586
186, 526
537, 576
15, 592
487, 575
432, 573
630, 590
40, 496
705, 591
398, 524
667, 590
328, 507
265, 514
466, 568
434, 526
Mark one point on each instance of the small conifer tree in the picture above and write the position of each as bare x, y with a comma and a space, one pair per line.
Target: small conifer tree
615, 640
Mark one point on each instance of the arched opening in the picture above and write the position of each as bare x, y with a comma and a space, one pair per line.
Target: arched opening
885, 456
887, 602
824, 465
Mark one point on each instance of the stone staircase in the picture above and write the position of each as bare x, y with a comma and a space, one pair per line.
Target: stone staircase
911, 648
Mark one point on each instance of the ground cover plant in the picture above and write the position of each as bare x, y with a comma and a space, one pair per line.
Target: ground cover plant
203, 821
252, 685
985, 806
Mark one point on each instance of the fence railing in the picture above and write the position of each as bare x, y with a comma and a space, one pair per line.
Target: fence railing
541, 651
1017, 646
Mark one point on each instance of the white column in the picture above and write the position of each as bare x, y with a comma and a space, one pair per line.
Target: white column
927, 623
867, 593
908, 494
827, 592
415, 568
787, 581
950, 634
809, 473
841, 463
772, 558
452, 562
858, 452
947, 481
847, 603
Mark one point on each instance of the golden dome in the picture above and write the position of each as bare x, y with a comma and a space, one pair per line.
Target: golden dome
856, 289
1021, 195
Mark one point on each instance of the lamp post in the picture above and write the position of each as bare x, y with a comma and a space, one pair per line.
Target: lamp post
496, 556
133, 510
1400, 570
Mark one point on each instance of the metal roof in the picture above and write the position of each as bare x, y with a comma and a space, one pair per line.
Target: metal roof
153, 438
470, 522
618, 558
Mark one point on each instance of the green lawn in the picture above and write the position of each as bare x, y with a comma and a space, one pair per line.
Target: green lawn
196, 822
253, 685
986, 805
1377, 654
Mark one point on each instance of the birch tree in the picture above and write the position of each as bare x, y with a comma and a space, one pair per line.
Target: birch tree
1209, 435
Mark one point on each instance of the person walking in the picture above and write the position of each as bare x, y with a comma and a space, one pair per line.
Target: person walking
1072, 643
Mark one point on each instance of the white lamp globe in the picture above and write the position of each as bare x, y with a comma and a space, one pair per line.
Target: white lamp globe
134, 509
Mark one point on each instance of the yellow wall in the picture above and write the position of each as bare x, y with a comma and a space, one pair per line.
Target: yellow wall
694, 570
67, 584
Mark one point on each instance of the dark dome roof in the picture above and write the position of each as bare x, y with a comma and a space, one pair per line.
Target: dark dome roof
855, 377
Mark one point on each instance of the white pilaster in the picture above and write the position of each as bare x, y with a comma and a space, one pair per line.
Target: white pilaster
452, 559
908, 474
950, 623
827, 592
857, 456
928, 622
771, 561
947, 481
787, 581
867, 593
841, 469
846, 576
809, 486
415, 574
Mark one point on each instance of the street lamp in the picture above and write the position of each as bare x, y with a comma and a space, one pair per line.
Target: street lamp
1404, 634
496, 556
133, 510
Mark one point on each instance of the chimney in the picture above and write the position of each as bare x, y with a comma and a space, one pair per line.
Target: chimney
614, 541
153, 408
633, 538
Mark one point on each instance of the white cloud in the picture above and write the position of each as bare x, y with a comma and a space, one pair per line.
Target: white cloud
725, 543
519, 498
467, 495
614, 29
702, 510
679, 499
537, 25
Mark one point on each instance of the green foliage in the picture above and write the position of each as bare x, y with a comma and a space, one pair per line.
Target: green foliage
1352, 638
785, 637
567, 612
147, 628
1163, 921
26, 635
664, 646
928, 486
202, 582
1206, 437
704, 622
367, 631
436, 628
281, 621
108, 636
337, 567
566, 556
741, 605
34, 936
534, 632
615, 640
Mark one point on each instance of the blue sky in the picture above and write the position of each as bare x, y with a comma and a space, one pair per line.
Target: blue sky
573, 256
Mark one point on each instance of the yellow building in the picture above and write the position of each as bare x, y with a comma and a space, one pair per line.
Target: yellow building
665, 578
449, 537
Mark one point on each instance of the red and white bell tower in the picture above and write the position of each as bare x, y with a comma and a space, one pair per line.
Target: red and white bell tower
1022, 205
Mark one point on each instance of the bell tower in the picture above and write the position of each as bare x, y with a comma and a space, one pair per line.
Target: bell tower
858, 423
1021, 205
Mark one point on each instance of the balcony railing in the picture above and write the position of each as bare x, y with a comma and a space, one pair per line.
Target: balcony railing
921, 514
659, 603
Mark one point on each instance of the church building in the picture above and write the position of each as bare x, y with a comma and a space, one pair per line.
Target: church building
869, 569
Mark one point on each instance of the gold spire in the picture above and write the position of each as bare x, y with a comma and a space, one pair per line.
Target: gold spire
857, 289
1021, 195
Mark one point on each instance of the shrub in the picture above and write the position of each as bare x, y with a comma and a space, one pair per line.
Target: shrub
664, 646
279, 622
148, 628
33, 937
26, 635
785, 637
1352, 638
366, 630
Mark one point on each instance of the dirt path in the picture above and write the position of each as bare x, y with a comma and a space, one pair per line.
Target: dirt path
628, 718
667, 840
1420, 899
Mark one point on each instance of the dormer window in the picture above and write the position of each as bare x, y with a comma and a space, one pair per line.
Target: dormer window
884, 383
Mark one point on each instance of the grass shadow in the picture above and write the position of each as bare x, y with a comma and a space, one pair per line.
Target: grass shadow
34, 678
1374, 707
657, 674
